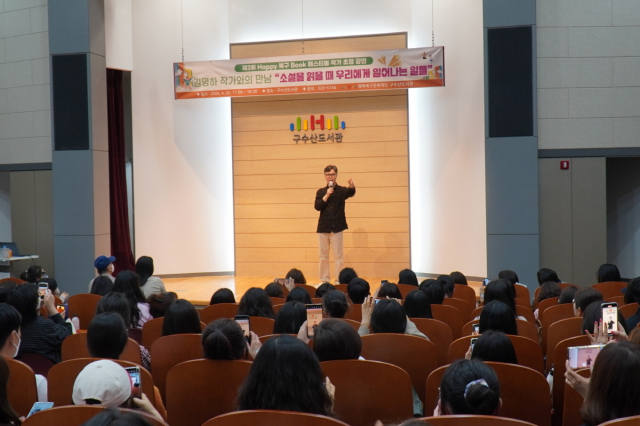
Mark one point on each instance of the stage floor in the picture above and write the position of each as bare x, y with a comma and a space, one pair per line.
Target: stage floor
198, 290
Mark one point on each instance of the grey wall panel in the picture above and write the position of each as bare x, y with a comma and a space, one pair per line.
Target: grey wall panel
44, 220
77, 273
5, 207
23, 211
73, 192
512, 185
508, 13
556, 231
68, 26
589, 218
519, 253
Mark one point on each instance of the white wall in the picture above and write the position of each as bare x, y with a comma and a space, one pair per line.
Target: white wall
118, 34
182, 149
25, 101
588, 80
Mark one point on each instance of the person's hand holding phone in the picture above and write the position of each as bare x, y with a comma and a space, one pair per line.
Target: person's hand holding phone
367, 310
254, 346
577, 382
600, 334
302, 333
50, 303
145, 406
289, 284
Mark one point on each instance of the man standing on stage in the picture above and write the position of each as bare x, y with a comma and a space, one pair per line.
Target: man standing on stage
330, 202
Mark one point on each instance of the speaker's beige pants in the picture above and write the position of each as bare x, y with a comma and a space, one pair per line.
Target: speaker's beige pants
333, 240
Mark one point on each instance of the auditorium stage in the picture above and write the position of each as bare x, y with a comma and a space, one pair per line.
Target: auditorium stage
198, 290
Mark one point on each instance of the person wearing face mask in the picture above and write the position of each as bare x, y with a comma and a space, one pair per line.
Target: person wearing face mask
10, 338
105, 268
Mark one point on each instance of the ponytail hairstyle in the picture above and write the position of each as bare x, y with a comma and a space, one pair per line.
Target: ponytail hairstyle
223, 339
470, 387
335, 304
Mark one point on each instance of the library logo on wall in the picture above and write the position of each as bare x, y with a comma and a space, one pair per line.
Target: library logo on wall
320, 128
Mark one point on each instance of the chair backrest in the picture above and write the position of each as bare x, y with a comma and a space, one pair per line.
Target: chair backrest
219, 310
573, 402
310, 289
439, 333
75, 346
625, 421
352, 323
17, 281
367, 391
135, 334
261, 325
476, 312
526, 313
415, 355
316, 300
467, 329
354, 313
546, 304
474, 421
406, 289
63, 376
450, 316
72, 415
523, 303
466, 293
276, 308
517, 381
266, 337
272, 418
83, 305
40, 364
557, 392
528, 352
558, 331
527, 329
522, 292
21, 388
628, 310
342, 287
610, 288
169, 351
432, 392
552, 315
193, 385
152, 331
465, 307
278, 300
537, 292
459, 348
616, 299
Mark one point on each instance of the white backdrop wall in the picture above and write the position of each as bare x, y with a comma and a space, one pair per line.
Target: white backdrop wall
182, 149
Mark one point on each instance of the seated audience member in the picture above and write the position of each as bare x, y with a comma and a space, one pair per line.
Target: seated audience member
299, 294
10, 321
160, 302
593, 315
323, 289
448, 284
583, 298
290, 318
8, 416
608, 272
107, 336
497, 316
347, 275
23, 276
390, 290
274, 289
6, 288
148, 283
224, 339
408, 277
106, 383
628, 298
386, 316
509, 275
469, 387
118, 303
39, 335
546, 274
567, 295
127, 283
334, 304
104, 266
275, 381
634, 290
224, 295
335, 340
434, 291
500, 290
612, 392
459, 278
256, 303
357, 290
113, 417
34, 274
297, 275
417, 305
549, 290
53, 286
101, 285
181, 318
494, 346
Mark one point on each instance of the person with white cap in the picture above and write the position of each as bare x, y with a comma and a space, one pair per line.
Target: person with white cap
106, 383
105, 268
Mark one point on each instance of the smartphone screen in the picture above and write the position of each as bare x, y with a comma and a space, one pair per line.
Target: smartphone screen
243, 320
39, 406
314, 316
42, 289
583, 356
134, 375
610, 315
476, 329
473, 342
61, 310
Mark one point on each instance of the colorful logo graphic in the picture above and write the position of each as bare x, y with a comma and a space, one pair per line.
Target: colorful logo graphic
183, 76
321, 123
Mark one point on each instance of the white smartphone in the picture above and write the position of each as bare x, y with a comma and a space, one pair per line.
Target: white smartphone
610, 316
314, 316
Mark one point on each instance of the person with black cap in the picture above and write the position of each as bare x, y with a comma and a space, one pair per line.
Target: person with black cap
104, 266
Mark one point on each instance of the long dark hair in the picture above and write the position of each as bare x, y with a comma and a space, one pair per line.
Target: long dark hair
181, 317
115, 302
388, 316
290, 318
498, 316
461, 391
101, 285
500, 290
336, 339
494, 346
127, 283
107, 336
7, 413
608, 272
256, 303
144, 269
286, 376
407, 276
416, 305
223, 339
